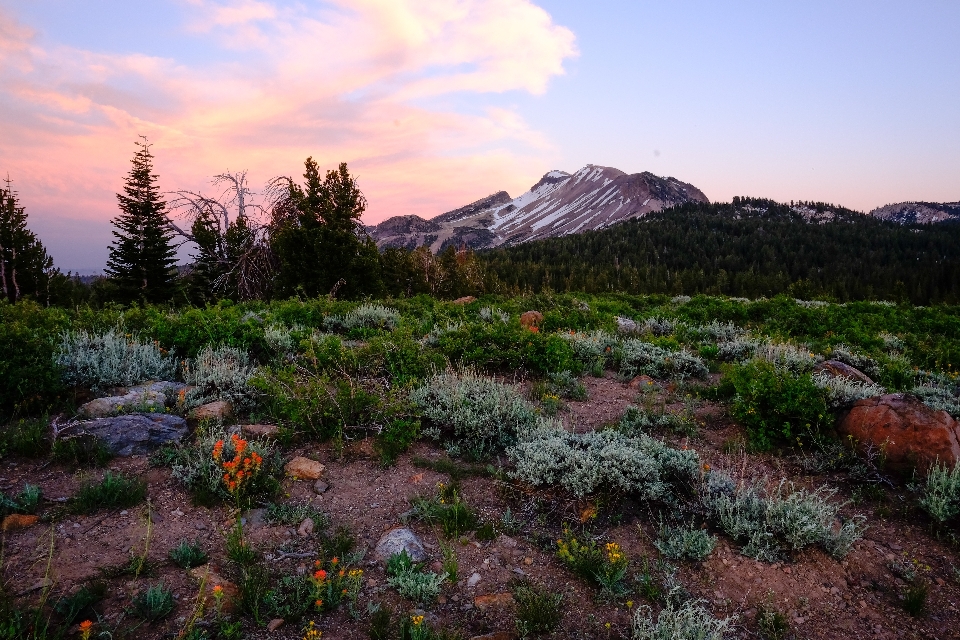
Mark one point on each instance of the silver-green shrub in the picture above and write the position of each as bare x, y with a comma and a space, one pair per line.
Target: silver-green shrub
891, 342
112, 359
643, 358
279, 338
720, 331
583, 463
688, 621
685, 542
848, 355
485, 416
433, 337
221, 373
737, 349
594, 349
490, 314
789, 518
941, 494
636, 421
419, 586
787, 356
366, 316
842, 391
938, 397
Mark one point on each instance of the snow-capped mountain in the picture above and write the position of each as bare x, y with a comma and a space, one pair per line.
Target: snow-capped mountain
919, 212
559, 204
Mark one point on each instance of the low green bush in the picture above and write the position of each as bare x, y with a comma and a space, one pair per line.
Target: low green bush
447, 510
154, 603
636, 357
606, 566
685, 542
410, 579
25, 437
114, 491
496, 346
188, 554
775, 404
396, 438
27, 501
538, 609
30, 379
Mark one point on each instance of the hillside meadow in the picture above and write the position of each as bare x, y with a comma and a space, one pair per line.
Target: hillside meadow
566, 466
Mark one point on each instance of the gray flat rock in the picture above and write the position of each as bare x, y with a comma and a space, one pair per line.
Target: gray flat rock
134, 434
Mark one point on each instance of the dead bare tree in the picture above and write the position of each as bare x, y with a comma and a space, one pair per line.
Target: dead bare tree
232, 234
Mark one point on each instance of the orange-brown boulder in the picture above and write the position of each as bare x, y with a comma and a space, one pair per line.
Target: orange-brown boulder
910, 434
837, 369
19, 521
465, 300
642, 382
305, 468
531, 319
493, 601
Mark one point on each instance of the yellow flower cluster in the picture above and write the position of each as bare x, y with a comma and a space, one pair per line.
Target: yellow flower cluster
614, 553
310, 632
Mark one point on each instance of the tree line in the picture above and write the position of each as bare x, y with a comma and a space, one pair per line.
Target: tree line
749, 247
305, 238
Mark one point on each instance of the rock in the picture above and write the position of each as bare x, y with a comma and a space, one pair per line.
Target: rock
465, 300
305, 468
260, 430
493, 601
275, 624
19, 521
211, 580
134, 434
911, 434
531, 319
473, 580
641, 382
153, 396
306, 527
528, 561
217, 410
837, 369
43, 583
506, 541
362, 448
320, 486
397, 540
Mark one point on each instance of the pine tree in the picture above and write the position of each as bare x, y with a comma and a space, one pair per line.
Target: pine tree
319, 240
24, 263
142, 258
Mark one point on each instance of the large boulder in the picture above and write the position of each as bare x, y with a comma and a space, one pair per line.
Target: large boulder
837, 369
134, 434
531, 319
911, 434
216, 410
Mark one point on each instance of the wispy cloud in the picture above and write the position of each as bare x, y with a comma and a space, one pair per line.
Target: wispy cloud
347, 80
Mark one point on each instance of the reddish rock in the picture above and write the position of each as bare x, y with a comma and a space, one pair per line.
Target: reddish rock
531, 319
493, 601
260, 430
214, 582
465, 300
641, 382
305, 468
219, 410
19, 521
911, 434
837, 369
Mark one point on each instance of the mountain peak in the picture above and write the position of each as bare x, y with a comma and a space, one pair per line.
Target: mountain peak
560, 203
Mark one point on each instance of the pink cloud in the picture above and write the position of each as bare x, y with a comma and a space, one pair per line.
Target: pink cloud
346, 82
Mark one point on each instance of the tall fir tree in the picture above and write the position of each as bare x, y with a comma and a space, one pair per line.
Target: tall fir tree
24, 263
142, 257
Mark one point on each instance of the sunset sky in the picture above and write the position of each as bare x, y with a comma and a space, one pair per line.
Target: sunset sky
435, 103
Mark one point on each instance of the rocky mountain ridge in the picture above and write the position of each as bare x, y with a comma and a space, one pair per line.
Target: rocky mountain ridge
919, 212
559, 204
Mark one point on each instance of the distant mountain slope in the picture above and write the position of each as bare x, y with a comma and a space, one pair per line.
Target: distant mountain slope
919, 212
559, 204
751, 248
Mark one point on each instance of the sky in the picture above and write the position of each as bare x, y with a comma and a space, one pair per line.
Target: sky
436, 103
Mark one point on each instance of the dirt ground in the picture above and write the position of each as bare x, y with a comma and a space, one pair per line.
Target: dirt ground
859, 597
